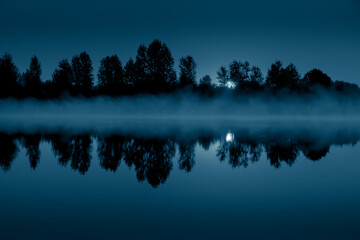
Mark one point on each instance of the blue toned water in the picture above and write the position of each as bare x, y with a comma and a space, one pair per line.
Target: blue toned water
228, 180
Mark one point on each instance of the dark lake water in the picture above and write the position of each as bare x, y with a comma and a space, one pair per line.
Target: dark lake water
167, 179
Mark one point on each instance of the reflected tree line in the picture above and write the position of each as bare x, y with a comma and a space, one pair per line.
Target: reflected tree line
153, 157
152, 71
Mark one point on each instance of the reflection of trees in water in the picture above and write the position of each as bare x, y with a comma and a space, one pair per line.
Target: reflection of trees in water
187, 155
74, 149
81, 154
313, 151
31, 143
206, 139
8, 151
111, 150
152, 158
281, 152
239, 153
61, 148
279, 147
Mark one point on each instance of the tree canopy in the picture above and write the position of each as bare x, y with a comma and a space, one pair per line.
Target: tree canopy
9, 75
111, 75
32, 78
152, 72
154, 68
83, 80
187, 72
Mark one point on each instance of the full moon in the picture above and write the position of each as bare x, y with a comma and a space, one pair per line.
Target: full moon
229, 137
230, 84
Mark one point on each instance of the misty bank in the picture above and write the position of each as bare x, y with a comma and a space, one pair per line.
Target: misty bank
183, 107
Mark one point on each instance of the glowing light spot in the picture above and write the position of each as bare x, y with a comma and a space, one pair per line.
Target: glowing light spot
229, 137
230, 84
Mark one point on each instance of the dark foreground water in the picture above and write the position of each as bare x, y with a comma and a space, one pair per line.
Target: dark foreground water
137, 179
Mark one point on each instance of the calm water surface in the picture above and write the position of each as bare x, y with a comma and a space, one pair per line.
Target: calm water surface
158, 180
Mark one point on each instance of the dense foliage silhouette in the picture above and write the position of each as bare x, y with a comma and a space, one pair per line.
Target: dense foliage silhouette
187, 72
9, 76
8, 151
154, 68
32, 80
187, 155
153, 72
73, 149
31, 144
153, 157
111, 151
111, 76
62, 80
283, 78
83, 79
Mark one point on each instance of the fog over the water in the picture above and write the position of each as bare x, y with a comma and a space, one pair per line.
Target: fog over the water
105, 113
187, 106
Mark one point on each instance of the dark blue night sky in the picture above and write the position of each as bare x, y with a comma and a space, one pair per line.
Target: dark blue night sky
321, 34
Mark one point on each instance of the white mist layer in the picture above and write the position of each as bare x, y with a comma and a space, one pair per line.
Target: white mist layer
180, 107
165, 113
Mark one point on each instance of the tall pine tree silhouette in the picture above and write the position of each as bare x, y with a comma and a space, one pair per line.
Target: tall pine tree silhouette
32, 80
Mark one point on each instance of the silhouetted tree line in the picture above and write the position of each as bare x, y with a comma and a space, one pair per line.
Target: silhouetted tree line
153, 72
152, 157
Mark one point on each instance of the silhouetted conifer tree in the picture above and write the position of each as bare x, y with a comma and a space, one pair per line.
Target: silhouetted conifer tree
9, 75
187, 72
82, 70
32, 79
